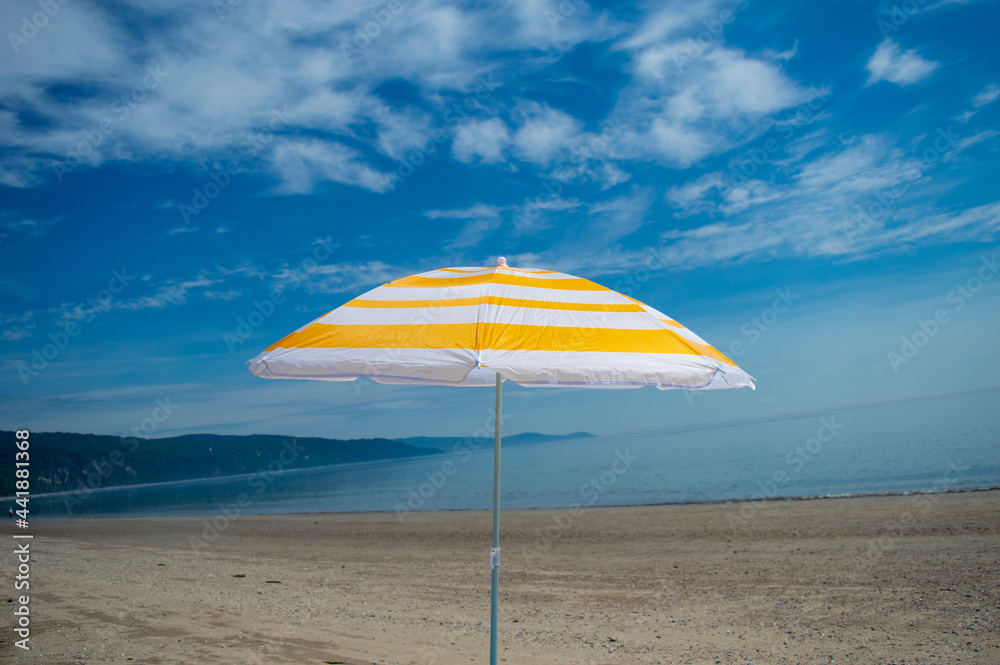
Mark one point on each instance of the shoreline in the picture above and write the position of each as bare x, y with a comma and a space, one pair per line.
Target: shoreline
707, 502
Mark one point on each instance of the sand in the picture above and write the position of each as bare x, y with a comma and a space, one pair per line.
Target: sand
861, 580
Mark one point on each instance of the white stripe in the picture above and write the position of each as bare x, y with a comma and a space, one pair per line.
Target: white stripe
398, 294
394, 293
501, 314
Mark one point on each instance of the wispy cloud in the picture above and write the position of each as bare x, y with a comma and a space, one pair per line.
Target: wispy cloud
985, 97
481, 220
337, 278
34, 228
477, 211
825, 209
890, 63
16, 326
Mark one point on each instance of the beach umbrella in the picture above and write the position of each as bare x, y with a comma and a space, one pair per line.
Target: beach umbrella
481, 326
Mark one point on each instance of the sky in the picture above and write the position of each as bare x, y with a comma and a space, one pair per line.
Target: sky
811, 187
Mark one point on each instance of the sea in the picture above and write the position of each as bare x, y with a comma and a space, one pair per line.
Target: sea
934, 444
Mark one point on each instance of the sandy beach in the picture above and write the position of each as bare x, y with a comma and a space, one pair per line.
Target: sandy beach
862, 580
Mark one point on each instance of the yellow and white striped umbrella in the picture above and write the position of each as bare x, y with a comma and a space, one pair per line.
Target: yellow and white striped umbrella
476, 326
462, 326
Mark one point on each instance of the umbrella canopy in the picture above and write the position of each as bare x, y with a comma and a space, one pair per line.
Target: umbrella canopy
478, 326
459, 326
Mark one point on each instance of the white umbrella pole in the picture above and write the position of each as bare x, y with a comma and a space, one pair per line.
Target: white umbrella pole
495, 552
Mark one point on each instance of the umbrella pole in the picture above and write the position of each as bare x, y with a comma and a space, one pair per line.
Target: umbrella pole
495, 552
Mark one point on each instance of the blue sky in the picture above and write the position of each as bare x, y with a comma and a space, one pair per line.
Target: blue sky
811, 188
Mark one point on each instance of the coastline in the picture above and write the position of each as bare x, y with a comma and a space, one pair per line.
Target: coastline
707, 502
868, 580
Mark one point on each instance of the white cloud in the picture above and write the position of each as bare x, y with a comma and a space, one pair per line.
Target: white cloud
545, 134
970, 141
782, 55
170, 293
889, 63
689, 197
864, 198
483, 139
713, 192
34, 228
558, 24
536, 213
682, 106
348, 277
475, 232
399, 132
670, 23
301, 163
987, 95
16, 326
224, 78
473, 212
619, 217
223, 295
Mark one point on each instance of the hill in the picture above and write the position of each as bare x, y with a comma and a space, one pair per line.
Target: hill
62, 461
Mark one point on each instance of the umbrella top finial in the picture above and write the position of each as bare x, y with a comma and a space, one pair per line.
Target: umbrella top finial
502, 262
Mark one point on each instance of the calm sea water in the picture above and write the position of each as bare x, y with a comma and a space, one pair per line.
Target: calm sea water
933, 444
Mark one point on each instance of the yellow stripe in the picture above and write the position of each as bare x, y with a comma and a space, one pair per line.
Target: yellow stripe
497, 337
492, 300
574, 284
421, 336
671, 322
